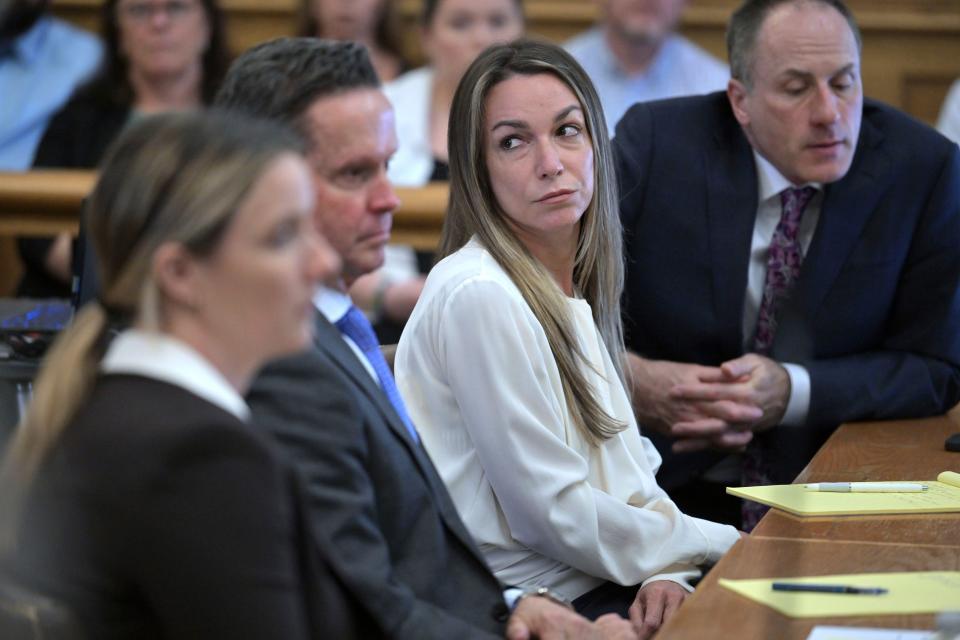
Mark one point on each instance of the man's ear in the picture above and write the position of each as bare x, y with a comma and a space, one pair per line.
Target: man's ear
738, 95
176, 273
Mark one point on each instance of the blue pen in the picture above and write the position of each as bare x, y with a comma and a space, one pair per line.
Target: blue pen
828, 588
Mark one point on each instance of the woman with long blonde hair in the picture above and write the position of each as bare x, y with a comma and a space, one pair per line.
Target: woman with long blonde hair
512, 363
135, 491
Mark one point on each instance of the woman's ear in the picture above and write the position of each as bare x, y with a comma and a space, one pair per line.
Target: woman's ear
177, 274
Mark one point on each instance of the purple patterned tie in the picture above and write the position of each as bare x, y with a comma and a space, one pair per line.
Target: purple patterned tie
783, 267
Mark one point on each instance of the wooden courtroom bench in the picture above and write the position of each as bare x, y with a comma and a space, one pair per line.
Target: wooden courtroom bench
46, 202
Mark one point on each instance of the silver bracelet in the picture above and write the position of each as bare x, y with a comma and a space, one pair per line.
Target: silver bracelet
543, 592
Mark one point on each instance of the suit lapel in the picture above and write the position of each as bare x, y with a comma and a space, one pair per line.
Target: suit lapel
732, 206
847, 206
329, 341
731, 214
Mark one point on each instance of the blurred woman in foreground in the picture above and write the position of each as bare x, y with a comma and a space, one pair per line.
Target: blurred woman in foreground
511, 365
135, 491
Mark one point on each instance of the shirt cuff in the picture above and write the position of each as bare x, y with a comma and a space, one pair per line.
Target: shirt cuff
510, 596
798, 405
719, 538
682, 577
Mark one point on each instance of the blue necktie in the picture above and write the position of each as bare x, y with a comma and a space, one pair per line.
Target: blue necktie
355, 326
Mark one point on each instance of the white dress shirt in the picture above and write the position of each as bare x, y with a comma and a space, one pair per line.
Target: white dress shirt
162, 357
546, 508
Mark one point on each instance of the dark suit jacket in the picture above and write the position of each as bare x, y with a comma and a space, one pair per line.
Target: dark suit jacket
159, 515
875, 315
377, 503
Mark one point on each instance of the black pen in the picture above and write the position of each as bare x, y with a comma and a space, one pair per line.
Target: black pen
828, 588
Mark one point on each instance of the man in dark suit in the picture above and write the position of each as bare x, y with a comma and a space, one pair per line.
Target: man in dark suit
766, 313
379, 510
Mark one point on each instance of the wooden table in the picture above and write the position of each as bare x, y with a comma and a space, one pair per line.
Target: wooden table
783, 545
716, 612
896, 450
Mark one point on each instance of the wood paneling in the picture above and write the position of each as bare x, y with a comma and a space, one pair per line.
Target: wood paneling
922, 93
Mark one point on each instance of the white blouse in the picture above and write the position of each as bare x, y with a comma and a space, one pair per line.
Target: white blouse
547, 509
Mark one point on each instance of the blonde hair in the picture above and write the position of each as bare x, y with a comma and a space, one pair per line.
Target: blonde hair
473, 210
170, 178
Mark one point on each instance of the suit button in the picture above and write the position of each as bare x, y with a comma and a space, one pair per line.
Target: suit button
500, 612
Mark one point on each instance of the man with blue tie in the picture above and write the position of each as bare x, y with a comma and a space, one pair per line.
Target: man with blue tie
379, 511
793, 258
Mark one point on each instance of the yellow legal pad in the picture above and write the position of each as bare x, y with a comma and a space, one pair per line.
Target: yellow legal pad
942, 497
912, 592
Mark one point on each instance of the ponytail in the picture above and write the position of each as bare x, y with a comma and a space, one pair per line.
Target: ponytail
65, 379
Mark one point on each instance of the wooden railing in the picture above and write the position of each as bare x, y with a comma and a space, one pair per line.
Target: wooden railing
42, 203
46, 202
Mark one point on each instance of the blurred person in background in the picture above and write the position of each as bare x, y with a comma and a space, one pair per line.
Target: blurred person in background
453, 33
634, 55
136, 491
372, 23
42, 60
160, 55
